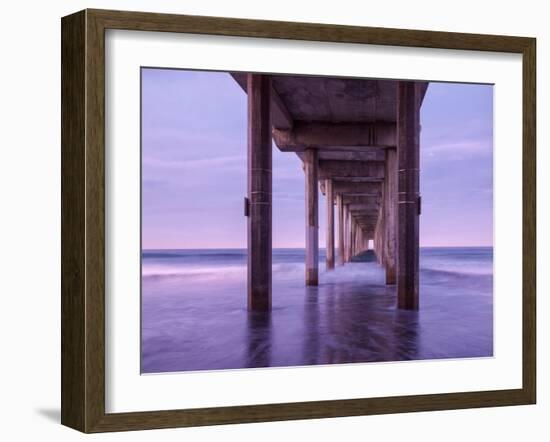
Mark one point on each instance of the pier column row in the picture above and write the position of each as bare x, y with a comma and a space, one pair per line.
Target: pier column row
311, 170
352, 233
359, 240
390, 214
351, 236
330, 224
341, 253
408, 203
346, 233
259, 231
379, 231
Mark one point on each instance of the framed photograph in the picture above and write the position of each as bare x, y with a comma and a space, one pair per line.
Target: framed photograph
268, 220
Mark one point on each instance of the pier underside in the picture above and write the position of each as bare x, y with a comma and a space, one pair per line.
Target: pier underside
358, 141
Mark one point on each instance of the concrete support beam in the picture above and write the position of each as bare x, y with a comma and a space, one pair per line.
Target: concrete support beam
359, 242
259, 192
358, 199
330, 225
311, 169
390, 207
368, 226
346, 233
371, 207
370, 154
357, 189
335, 136
364, 215
379, 233
408, 123
280, 116
365, 240
366, 218
353, 232
352, 251
341, 259
349, 237
361, 170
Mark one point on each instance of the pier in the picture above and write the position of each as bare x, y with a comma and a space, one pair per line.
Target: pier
358, 141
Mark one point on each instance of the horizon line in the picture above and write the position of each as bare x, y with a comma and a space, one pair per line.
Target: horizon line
303, 248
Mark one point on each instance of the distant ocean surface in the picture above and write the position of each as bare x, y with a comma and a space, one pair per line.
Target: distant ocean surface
194, 314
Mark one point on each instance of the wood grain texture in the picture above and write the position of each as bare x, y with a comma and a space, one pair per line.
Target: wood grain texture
83, 217
529, 220
194, 24
73, 253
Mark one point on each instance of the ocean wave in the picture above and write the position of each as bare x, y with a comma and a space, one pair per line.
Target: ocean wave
350, 271
232, 271
453, 282
480, 270
192, 271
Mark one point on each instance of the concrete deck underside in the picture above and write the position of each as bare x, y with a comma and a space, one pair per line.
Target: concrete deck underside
347, 133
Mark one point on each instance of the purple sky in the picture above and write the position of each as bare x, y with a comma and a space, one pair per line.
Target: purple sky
194, 166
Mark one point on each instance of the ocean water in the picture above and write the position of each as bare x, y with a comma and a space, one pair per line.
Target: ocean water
194, 314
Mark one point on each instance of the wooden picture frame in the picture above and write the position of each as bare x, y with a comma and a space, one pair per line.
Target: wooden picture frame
83, 220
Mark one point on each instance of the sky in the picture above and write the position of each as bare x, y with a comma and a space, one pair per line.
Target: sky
194, 166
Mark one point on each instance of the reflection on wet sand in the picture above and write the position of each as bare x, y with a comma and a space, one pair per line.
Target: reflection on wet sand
258, 340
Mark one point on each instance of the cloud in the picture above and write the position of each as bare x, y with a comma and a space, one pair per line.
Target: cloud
191, 136
459, 148
217, 162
